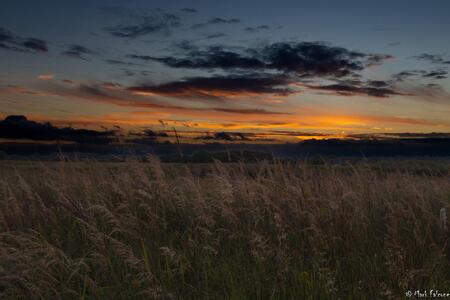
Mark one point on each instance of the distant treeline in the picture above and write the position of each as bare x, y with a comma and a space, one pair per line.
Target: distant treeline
418, 147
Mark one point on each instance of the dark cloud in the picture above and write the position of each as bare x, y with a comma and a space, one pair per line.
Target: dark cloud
11, 42
19, 127
158, 23
380, 89
267, 136
312, 59
294, 133
255, 111
433, 58
316, 59
213, 58
112, 85
403, 75
434, 86
118, 62
184, 45
108, 92
35, 45
215, 35
128, 73
151, 133
429, 92
257, 28
5, 35
77, 51
418, 135
378, 83
147, 136
377, 59
97, 93
215, 21
437, 74
141, 57
117, 94
189, 10
305, 59
220, 87
301, 62
225, 136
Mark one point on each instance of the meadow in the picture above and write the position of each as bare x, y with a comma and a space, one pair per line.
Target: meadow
265, 230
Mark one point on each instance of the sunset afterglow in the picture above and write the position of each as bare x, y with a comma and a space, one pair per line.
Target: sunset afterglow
211, 69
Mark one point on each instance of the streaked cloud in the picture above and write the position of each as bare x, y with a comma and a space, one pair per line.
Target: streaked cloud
219, 87
345, 89
78, 51
9, 41
156, 23
433, 58
189, 10
215, 21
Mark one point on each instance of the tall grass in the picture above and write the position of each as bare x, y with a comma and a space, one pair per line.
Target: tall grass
221, 231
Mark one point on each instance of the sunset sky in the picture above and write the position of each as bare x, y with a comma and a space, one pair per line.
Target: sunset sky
244, 66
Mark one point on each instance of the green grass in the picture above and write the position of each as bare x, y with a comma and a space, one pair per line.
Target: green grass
89, 230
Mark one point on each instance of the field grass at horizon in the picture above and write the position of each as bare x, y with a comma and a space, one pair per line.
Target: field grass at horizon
266, 230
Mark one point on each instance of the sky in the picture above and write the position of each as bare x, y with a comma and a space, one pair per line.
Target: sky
281, 68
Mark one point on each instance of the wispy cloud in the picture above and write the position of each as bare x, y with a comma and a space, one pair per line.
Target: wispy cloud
215, 21
219, 87
258, 28
141, 97
437, 74
343, 89
433, 58
189, 10
157, 23
214, 35
119, 62
78, 51
9, 41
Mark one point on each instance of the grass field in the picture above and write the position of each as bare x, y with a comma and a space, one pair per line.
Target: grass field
268, 230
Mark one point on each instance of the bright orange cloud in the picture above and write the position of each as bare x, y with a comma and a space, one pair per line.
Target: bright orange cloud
46, 76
